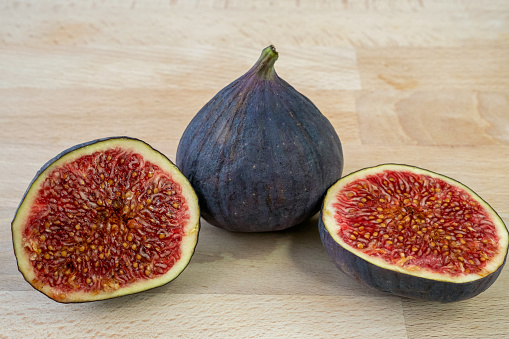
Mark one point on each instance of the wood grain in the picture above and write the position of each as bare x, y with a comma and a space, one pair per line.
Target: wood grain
418, 82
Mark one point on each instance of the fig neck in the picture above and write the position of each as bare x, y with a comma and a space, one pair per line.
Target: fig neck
264, 67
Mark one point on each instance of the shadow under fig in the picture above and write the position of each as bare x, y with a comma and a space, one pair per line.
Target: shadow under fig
215, 242
312, 260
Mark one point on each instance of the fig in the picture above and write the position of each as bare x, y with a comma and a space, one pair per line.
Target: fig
104, 219
414, 233
259, 154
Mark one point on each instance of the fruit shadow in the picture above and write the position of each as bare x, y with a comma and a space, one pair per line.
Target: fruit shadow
215, 244
306, 250
311, 260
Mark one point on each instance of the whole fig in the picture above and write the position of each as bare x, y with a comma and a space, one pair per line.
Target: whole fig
259, 154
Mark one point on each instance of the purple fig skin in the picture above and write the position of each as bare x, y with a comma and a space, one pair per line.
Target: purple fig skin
259, 154
398, 283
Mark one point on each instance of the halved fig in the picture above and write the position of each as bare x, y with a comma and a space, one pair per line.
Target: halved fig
103, 219
413, 233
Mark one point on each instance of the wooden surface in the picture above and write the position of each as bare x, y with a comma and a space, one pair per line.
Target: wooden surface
418, 82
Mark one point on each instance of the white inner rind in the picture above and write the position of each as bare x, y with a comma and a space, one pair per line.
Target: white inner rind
189, 239
333, 227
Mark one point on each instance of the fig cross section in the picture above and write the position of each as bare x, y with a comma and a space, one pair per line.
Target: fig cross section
104, 219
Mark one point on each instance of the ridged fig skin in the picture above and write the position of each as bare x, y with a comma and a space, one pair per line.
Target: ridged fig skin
259, 154
398, 283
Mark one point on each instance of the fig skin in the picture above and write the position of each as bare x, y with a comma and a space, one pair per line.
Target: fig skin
78, 296
259, 154
429, 288
398, 283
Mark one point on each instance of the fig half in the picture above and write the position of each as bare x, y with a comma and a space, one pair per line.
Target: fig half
413, 233
103, 219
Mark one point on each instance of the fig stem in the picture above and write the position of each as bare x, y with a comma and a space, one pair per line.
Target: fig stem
264, 67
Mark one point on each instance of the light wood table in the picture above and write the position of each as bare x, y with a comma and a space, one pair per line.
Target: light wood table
418, 82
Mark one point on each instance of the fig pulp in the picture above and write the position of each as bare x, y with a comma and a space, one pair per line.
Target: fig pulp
259, 154
103, 219
413, 232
